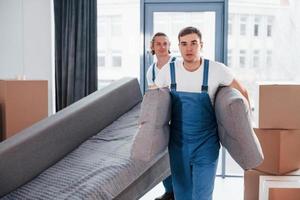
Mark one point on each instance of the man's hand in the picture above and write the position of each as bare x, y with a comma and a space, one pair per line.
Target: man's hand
237, 85
150, 87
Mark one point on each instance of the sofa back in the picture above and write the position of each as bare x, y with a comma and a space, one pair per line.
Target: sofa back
33, 150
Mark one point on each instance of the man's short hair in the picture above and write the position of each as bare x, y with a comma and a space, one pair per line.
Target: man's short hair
189, 30
153, 38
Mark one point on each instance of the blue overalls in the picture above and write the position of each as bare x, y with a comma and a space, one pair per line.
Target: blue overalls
194, 143
168, 181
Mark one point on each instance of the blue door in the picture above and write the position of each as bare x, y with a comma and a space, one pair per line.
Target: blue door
171, 16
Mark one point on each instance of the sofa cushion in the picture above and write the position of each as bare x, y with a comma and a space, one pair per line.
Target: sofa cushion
153, 134
235, 128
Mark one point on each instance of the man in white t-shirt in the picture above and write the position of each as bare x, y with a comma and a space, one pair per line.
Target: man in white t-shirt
160, 47
194, 143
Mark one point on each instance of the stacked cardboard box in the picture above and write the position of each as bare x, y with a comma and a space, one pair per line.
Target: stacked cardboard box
23, 103
279, 106
251, 188
251, 184
279, 135
281, 150
284, 193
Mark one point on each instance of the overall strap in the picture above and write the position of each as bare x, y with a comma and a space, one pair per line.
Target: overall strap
173, 79
153, 72
173, 59
204, 87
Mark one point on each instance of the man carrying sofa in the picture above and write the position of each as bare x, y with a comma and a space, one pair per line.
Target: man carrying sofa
194, 143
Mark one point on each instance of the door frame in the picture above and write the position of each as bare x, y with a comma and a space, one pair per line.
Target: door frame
220, 7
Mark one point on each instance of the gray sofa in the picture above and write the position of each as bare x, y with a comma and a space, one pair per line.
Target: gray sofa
82, 152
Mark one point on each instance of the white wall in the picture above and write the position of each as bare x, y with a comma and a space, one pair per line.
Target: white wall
11, 36
26, 41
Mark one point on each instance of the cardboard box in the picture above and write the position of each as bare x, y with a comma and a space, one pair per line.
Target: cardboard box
23, 102
251, 184
281, 150
284, 194
251, 188
279, 106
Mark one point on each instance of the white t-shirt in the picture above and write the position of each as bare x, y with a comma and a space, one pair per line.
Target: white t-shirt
218, 75
156, 71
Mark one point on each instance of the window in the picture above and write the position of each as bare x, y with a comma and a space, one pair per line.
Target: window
256, 59
272, 47
256, 26
243, 29
243, 25
109, 36
116, 26
255, 29
116, 59
118, 40
269, 26
269, 30
242, 58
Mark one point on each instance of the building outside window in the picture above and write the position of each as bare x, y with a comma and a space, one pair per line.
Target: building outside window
110, 36
271, 49
118, 40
